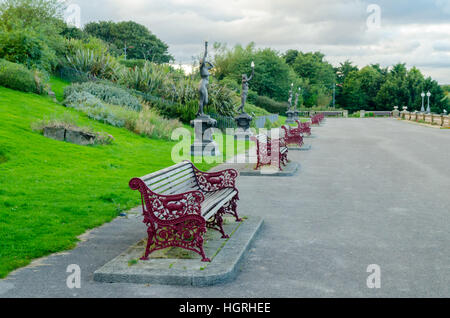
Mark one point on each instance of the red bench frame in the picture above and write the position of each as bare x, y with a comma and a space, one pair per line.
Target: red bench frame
293, 136
177, 220
305, 128
264, 152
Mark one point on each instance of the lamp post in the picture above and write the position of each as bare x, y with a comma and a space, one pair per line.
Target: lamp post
428, 108
422, 110
296, 111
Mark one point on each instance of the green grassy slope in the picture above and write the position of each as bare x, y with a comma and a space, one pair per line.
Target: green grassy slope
51, 191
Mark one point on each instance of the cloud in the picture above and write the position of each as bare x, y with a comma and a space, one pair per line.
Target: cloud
411, 31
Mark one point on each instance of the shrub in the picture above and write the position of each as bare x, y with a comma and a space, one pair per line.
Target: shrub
147, 122
152, 125
18, 77
106, 92
254, 110
149, 79
95, 63
26, 47
133, 63
271, 105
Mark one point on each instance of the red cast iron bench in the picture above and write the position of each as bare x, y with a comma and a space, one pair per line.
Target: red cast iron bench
293, 136
304, 128
264, 147
180, 202
317, 119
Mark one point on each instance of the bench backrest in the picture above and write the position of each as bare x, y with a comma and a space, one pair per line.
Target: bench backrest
179, 178
262, 138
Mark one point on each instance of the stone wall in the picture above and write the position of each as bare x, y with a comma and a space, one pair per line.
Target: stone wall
432, 119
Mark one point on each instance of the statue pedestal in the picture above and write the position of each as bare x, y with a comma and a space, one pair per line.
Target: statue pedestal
243, 122
290, 117
204, 145
296, 115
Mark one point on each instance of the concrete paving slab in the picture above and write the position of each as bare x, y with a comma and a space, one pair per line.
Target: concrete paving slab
288, 171
226, 255
302, 148
371, 192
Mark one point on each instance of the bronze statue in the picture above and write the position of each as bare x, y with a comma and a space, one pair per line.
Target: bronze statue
205, 66
244, 93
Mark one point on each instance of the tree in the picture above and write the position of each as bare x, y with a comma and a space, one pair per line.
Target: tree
290, 56
30, 32
342, 71
130, 37
320, 75
273, 77
30, 13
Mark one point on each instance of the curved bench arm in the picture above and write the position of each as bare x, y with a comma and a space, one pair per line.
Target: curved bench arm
167, 209
214, 181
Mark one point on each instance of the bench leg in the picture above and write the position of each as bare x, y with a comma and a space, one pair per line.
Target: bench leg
217, 224
231, 208
187, 235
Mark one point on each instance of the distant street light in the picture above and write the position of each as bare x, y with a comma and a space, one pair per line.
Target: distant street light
422, 110
428, 108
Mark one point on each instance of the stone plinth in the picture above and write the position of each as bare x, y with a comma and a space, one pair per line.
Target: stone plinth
396, 112
243, 122
204, 145
290, 117
428, 118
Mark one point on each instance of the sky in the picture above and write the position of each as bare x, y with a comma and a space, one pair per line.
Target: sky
415, 32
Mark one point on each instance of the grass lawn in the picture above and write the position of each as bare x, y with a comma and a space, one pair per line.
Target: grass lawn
51, 191
284, 118
57, 86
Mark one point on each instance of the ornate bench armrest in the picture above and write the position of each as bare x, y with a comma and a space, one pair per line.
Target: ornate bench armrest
167, 208
214, 181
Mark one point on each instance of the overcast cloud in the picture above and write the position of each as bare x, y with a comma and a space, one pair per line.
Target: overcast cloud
416, 32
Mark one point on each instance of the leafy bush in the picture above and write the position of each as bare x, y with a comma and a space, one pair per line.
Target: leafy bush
133, 63
18, 77
97, 64
254, 110
152, 125
25, 47
150, 78
104, 91
271, 105
147, 122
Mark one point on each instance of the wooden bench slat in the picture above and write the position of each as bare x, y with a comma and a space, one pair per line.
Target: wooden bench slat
207, 214
172, 181
149, 180
183, 188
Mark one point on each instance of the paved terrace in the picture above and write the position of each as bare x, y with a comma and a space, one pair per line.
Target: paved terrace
371, 191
